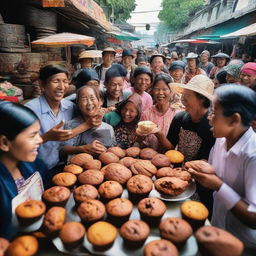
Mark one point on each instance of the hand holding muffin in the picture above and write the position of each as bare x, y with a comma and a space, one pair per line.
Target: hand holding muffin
146, 128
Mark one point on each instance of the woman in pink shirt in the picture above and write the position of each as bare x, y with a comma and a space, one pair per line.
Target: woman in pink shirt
161, 113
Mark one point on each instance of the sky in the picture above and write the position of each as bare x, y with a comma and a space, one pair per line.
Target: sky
144, 18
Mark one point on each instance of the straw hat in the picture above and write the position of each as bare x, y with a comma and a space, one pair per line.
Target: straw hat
200, 84
86, 55
109, 49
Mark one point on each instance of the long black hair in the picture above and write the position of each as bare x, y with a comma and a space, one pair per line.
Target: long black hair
14, 118
237, 99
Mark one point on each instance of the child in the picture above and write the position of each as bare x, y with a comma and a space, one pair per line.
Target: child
233, 158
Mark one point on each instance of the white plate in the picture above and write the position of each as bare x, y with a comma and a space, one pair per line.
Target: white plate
191, 189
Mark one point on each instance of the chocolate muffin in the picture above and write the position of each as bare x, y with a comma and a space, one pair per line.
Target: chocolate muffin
72, 234
160, 248
23, 246
109, 190
101, 235
151, 210
4, 244
29, 212
73, 168
91, 177
82, 193
119, 210
175, 230
56, 196
64, 179
139, 186
91, 211
134, 233
54, 219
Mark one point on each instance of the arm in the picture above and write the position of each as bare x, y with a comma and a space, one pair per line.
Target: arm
163, 141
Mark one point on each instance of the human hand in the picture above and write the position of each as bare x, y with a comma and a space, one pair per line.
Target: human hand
96, 147
200, 166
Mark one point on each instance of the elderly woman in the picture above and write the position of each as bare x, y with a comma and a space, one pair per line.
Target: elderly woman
221, 60
190, 130
233, 73
248, 75
205, 64
177, 70
161, 113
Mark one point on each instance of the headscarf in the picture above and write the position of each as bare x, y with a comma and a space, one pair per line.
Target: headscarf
249, 68
233, 69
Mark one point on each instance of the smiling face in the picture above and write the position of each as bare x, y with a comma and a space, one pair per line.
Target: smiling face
247, 80
88, 103
108, 58
55, 87
221, 62
86, 62
127, 61
177, 74
25, 145
129, 112
142, 82
157, 64
204, 58
162, 93
191, 102
191, 64
115, 87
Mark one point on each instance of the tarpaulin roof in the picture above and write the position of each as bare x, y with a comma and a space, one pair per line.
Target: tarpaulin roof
63, 39
124, 35
196, 41
246, 31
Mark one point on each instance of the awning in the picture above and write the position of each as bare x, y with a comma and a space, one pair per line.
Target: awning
246, 31
196, 41
124, 36
63, 39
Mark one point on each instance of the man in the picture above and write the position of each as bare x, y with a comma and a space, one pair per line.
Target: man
157, 61
205, 64
108, 57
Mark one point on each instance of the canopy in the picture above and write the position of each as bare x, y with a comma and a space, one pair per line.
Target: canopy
124, 36
246, 31
196, 41
64, 39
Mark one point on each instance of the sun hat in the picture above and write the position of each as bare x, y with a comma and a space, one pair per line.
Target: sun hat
192, 55
177, 65
156, 54
109, 49
200, 84
221, 55
233, 69
86, 55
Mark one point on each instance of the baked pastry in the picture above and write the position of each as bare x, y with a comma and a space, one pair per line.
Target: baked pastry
134, 233
82, 193
213, 241
117, 151
73, 168
109, 190
56, 196
92, 164
101, 235
200, 165
195, 213
4, 244
174, 172
29, 212
160, 248
64, 179
23, 246
146, 127
144, 167
175, 156
72, 234
175, 230
91, 211
151, 210
92, 177
133, 151
108, 158
171, 186
54, 219
161, 160
117, 172
147, 153
139, 186
119, 210
81, 158
127, 161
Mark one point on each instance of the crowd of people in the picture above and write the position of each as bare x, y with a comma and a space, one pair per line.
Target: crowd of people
204, 109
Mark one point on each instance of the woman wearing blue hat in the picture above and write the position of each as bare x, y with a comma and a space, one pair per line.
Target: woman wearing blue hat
221, 60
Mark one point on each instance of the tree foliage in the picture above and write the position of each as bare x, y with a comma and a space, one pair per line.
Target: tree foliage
176, 13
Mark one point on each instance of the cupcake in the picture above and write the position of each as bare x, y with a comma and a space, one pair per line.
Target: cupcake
119, 210
139, 186
195, 213
175, 157
91, 211
4, 244
72, 234
160, 248
109, 190
29, 212
54, 219
134, 233
23, 246
82, 193
73, 168
101, 235
151, 210
64, 179
175, 230
56, 196
91, 177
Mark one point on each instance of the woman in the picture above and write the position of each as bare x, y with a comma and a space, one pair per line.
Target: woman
233, 73
19, 142
177, 70
190, 130
52, 111
98, 134
233, 160
221, 60
125, 119
161, 113
248, 75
